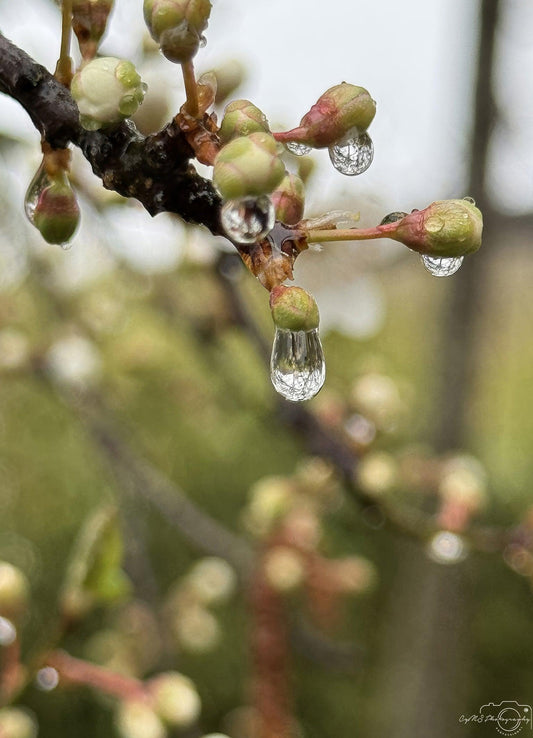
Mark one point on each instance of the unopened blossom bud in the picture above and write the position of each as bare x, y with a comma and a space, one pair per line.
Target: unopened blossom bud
248, 166
289, 199
17, 723
338, 111
14, 591
284, 569
107, 90
57, 213
89, 20
176, 700
230, 75
177, 25
241, 118
446, 228
293, 309
136, 719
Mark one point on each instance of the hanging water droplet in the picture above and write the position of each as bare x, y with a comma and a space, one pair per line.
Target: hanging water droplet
470, 200
442, 266
353, 155
202, 42
298, 149
36, 187
297, 366
248, 219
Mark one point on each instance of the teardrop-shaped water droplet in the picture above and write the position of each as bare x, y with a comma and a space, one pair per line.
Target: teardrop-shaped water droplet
297, 366
36, 187
248, 219
442, 266
470, 200
393, 217
434, 224
353, 155
298, 149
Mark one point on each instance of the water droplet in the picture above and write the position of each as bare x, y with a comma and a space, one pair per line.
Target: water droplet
434, 224
66, 246
8, 632
393, 217
298, 149
353, 155
442, 266
202, 42
297, 366
446, 548
36, 187
47, 679
248, 219
470, 200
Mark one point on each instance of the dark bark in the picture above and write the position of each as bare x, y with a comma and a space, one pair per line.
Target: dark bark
155, 170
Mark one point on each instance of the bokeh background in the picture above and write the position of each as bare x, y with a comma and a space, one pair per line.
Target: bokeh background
149, 334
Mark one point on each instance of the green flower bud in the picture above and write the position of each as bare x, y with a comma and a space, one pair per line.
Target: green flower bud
177, 25
89, 20
107, 90
14, 591
176, 700
230, 75
293, 309
446, 228
17, 723
289, 199
135, 719
241, 118
57, 213
248, 166
339, 110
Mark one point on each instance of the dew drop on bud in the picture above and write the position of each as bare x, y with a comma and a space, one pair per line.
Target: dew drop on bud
202, 42
298, 149
353, 155
36, 187
297, 366
446, 548
442, 266
470, 200
248, 219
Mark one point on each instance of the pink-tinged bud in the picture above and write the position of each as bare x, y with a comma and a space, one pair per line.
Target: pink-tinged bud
248, 166
57, 213
338, 111
446, 228
289, 199
241, 118
293, 309
89, 20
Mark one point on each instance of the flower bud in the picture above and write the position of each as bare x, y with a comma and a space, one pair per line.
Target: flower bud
230, 75
293, 309
284, 569
446, 228
57, 213
177, 25
135, 719
339, 110
89, 20
241, 118
176, 700
248, 166
14, 591
17, 723
289, 199
107, 90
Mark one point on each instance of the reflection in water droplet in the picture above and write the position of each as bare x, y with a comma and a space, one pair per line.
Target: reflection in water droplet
202, 42
470, 200
66, 246
297, 366
446, 548
36, 187
47, 679
248, 219
434, 224
441, 266
298, 149
353, 155
8, 632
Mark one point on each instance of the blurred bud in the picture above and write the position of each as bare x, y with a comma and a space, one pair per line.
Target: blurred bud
306, 167
57, 214
73, 361
270, 499
135, 719
289, 199
284, 568
377, 473
241, 118
176, 700
196, 629
177, 25
339, 110
230, 75
302, 528
14, 349
17, 723
378, 398
293, 309
89, 20
14, 591
111, 649
107, 90
248, 166
8, 633
464, 481
354, 574
212, 580
447, 548
316, 477
446, 228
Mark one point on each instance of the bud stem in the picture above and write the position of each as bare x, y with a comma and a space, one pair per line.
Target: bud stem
191, 88
63, 71
350, 234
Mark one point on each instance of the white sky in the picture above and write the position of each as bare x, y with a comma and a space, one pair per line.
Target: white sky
415, 57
